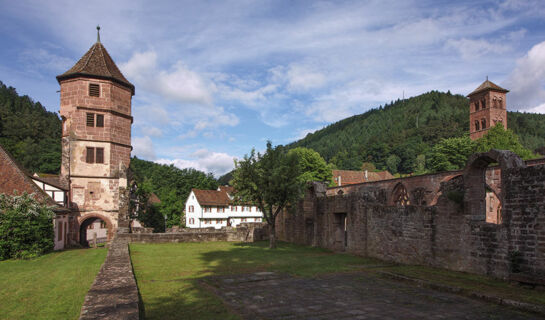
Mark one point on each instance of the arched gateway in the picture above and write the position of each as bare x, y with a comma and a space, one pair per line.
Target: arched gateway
94, 224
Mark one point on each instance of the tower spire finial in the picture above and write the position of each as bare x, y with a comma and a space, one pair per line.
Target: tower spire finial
98, 34
486, 77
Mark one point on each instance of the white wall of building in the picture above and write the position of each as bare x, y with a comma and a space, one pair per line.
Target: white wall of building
60, 223
197, 216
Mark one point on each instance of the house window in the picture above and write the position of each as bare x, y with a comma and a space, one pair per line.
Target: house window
90, 119
191, 220
234, 208
243, 220
207, 209
94, 90
221, 209
103, 225
218, 221
91, 226
257, 219
191, 209
100, 120
249, 209
477, 125
483, 123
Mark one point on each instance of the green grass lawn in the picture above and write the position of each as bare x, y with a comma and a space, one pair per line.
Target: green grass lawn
52, 286
167, 274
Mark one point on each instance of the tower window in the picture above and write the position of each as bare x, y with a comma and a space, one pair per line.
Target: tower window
99, 155
476, 105
90, 119
94, 90
483, 124
90, 158
94, 155
100, 120
483, 104
476, 125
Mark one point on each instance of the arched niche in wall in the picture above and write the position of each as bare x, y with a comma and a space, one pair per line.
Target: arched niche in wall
475, 185
400, 196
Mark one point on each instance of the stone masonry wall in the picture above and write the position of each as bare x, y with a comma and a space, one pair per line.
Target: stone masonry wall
443, 234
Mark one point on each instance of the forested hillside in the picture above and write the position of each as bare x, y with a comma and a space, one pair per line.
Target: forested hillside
408, 129
172, 185
29, 132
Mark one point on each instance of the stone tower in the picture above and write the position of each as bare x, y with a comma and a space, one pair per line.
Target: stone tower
487, 107
95, 108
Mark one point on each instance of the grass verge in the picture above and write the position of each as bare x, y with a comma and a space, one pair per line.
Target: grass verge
52, 286
168, 274
471, 282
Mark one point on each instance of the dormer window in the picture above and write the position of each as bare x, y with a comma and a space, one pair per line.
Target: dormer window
94, 90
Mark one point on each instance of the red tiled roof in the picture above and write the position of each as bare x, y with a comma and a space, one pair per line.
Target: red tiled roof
488, 85
97, 63
153, 198
354, 177
13, 178
211, 197
49, 179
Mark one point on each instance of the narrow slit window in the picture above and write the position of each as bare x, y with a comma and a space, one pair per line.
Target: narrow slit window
90, 158
100, 120
90, 119
99, 155
94, 90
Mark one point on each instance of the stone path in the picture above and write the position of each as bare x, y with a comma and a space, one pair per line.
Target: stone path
268, 295
114, 294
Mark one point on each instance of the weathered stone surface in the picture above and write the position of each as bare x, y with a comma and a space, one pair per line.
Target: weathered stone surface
195, 235
347, 296
114, 294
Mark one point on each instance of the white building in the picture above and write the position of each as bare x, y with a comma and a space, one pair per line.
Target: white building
216, 209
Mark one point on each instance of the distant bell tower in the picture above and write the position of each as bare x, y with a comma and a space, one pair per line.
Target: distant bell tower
487, 107
95, 108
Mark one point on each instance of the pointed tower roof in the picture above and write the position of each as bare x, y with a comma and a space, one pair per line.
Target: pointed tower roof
97, 63
488, 85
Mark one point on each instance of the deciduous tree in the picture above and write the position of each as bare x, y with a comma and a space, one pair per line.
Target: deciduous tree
271, 181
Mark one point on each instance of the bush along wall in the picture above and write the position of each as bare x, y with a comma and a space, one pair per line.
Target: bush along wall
26, 227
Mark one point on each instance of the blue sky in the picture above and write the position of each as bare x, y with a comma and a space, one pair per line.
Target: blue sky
216, 78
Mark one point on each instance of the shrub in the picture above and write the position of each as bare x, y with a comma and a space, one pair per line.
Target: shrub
26, 227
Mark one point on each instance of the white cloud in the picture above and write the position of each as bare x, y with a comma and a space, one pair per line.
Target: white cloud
143, 148
527, 81
152, 131
216, 162
471, 49
538, 109
178, 84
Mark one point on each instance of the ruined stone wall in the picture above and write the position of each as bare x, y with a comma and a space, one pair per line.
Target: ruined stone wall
235, 234
444, 234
